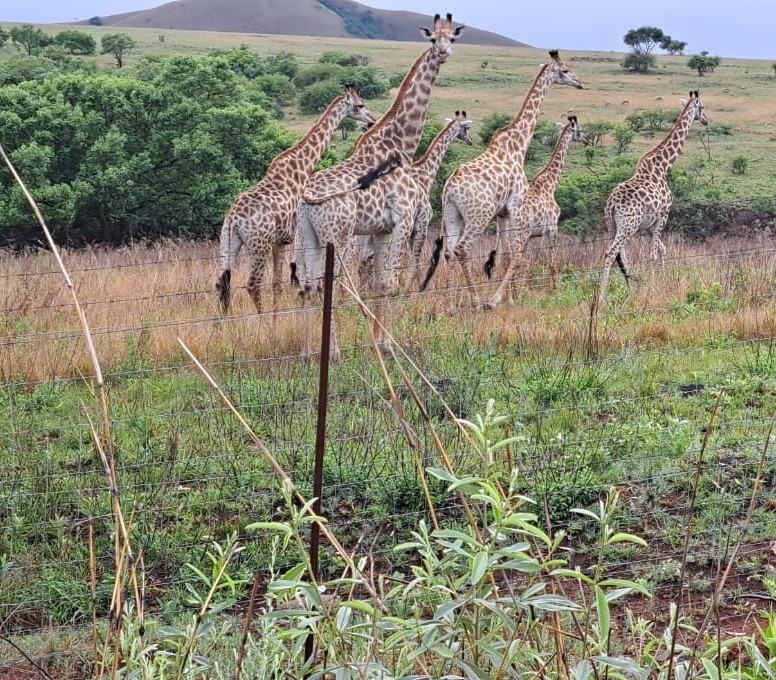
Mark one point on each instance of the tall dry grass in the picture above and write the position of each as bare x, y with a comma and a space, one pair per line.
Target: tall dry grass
140, 299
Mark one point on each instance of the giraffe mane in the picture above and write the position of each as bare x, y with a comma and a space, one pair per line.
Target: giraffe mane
397, 100
332, 105
673, 127
519, 114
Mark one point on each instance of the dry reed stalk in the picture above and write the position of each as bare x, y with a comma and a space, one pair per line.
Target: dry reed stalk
102, 440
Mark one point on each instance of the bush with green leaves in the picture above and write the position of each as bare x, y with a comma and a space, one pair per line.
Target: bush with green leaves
76, 42
623, 136
739, 165
491, 124
111, 158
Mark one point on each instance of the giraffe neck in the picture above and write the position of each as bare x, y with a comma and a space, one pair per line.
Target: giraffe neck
516, 135
401, 126
298, 162
660, 159
426, 168
549, 175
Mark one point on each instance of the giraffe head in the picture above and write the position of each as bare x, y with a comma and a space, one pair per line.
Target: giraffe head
694, 103
357, 109
577, 133
563, 74
463, 127
442, 36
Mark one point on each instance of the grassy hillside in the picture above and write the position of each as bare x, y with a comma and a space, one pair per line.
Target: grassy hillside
330, 18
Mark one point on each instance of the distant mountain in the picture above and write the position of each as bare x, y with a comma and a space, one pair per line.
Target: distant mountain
325, 18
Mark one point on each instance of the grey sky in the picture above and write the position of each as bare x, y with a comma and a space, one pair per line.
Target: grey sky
740, 29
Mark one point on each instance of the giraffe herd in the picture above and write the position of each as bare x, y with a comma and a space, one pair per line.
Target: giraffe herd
295, 205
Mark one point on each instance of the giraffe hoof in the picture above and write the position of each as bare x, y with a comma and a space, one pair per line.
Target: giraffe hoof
490, 305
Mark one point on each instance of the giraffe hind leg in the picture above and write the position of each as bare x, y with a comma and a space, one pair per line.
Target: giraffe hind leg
623, 265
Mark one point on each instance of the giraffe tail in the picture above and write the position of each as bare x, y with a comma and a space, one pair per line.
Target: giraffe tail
230, 244
434, 262
490, 264
224, 288
621, 265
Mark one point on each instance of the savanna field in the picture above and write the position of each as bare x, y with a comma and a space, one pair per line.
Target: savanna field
602, 488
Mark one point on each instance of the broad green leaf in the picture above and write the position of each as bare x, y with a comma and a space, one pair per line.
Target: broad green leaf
343, 617
623, 664
604, 617
441, 473
626, 538
270, 526
624, 583
479, 567
573, 573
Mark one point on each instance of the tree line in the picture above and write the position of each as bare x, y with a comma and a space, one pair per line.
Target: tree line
153, 151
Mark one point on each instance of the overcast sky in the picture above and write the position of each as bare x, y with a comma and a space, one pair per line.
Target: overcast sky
744, 28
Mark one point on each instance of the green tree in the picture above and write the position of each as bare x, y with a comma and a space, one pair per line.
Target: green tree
623, 136
674, 47
284, 63
643, 41
315, 98
3, 37
113, 157
29, 38
76, 42
346, 60
119, 45
703, 63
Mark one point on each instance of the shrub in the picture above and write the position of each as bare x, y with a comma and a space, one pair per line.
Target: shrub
738, 165
623, 136
316, 97
491, 123
596, 131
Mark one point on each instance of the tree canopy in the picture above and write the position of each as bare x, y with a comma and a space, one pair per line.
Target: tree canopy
118, 45
643, 42
703, 63
29, 38
112, 157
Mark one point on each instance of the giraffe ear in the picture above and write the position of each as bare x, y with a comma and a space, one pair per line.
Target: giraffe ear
424, 31
683, 101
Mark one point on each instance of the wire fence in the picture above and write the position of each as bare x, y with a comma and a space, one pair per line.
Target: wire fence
189, 475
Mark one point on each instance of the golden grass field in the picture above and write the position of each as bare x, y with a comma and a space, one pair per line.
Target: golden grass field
143, 298
140, 300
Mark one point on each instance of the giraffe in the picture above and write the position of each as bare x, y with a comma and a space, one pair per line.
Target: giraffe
494, 183
424, 172
263, 218
387, 208
642, 202
540, 212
